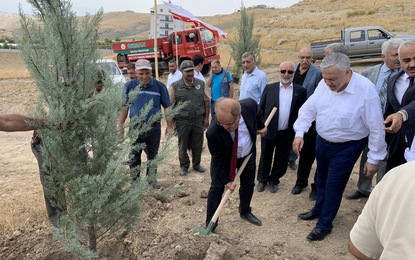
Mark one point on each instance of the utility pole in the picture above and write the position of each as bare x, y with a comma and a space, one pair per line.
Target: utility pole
156, 62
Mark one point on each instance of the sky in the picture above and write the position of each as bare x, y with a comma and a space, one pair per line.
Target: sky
197, 7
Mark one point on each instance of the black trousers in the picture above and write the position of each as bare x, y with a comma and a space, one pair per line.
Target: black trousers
397, 158
307, 157
151, 139
246, 190
279, 149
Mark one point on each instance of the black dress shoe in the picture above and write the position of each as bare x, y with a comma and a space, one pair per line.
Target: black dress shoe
357, 195
308, 215
183, 171
251, 218
296, 190
273, 187
261, 186
199, 168
318, 234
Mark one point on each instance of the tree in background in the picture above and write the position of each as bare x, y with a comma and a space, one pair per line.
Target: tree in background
245, 41
81, 148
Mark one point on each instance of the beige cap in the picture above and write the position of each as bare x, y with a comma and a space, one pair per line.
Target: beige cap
143, 65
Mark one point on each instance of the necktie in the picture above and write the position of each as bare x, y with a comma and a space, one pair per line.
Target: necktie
411, 82
384, 90
232, 168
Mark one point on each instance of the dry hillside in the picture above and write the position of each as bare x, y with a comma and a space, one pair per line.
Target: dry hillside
283, 31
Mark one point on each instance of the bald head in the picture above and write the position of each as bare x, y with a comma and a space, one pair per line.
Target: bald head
227, 112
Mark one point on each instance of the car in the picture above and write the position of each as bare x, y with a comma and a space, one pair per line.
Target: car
112, 69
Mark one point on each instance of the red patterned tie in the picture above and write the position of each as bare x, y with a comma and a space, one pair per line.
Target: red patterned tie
232, 168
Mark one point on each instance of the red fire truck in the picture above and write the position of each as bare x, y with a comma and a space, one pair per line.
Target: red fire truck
189, 43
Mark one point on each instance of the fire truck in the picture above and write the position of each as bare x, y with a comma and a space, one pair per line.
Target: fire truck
189, 43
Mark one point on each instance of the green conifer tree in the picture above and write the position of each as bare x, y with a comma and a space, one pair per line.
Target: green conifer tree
244, 41
80, 145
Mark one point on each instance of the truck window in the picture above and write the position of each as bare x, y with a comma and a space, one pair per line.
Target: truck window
357, 36
206, 35
191, 37
178, 37
375, 34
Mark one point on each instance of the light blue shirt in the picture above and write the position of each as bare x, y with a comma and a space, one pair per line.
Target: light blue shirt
383, 74
253, 85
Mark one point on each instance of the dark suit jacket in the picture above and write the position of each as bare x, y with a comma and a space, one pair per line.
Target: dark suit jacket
220, 142
270, 99
393, 106
312, 79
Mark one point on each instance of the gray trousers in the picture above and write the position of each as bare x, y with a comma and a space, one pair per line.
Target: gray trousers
364, 184
53, 212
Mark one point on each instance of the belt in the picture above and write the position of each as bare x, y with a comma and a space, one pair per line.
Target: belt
347, 142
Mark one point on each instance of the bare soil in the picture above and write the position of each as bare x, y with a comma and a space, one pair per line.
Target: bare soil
166, 224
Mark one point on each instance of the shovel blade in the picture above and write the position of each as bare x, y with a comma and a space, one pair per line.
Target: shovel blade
204, 231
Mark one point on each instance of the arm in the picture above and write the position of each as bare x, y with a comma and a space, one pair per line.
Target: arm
231, 88
15, 122
209, 80
169, 119
356, 253
121, 119
206, 105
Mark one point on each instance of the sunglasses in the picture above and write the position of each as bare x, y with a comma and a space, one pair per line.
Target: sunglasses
285, 71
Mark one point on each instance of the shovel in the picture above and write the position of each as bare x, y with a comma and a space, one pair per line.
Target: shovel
204, 232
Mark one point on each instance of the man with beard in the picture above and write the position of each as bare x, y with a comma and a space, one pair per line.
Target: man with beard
277, 143
308, 76
174, 74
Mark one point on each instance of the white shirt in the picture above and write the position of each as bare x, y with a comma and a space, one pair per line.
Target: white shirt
244, 139
401, 85
352, 114
173, 78
199, 75
285, 99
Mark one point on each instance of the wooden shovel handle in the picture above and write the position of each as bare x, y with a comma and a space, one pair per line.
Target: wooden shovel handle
271, 115
228, 192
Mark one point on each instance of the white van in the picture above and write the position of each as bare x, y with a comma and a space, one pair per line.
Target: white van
110, 67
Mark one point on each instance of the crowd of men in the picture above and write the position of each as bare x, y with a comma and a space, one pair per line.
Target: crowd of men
330, 114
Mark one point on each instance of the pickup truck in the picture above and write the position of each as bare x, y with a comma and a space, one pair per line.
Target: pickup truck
360, 42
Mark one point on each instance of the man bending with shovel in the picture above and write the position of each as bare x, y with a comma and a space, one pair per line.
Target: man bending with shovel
235, 123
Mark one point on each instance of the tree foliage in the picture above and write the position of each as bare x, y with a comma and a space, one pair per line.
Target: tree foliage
244, 41
81, 148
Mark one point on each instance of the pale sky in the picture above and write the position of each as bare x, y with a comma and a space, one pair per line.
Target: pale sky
197, 7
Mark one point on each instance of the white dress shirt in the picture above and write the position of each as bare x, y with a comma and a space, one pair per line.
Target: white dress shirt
244, 139
401, 85
352, 114
285, 99
173, 78
199, 75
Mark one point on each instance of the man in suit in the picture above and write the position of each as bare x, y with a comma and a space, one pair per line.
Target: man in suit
348, 116
287, 98
379, 75
308, 76
234, 121
400, 107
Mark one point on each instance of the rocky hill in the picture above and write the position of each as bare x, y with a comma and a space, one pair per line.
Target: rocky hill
282, 31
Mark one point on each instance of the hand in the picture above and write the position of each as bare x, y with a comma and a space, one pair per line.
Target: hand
370, 169
205, 122
120, 130
396, 125
231, 186
168, 130
298, 144
262, 132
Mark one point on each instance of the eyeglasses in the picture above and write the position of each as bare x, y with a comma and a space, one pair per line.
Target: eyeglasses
228, 125
285, 71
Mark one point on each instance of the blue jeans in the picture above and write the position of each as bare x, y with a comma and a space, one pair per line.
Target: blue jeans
335, 162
